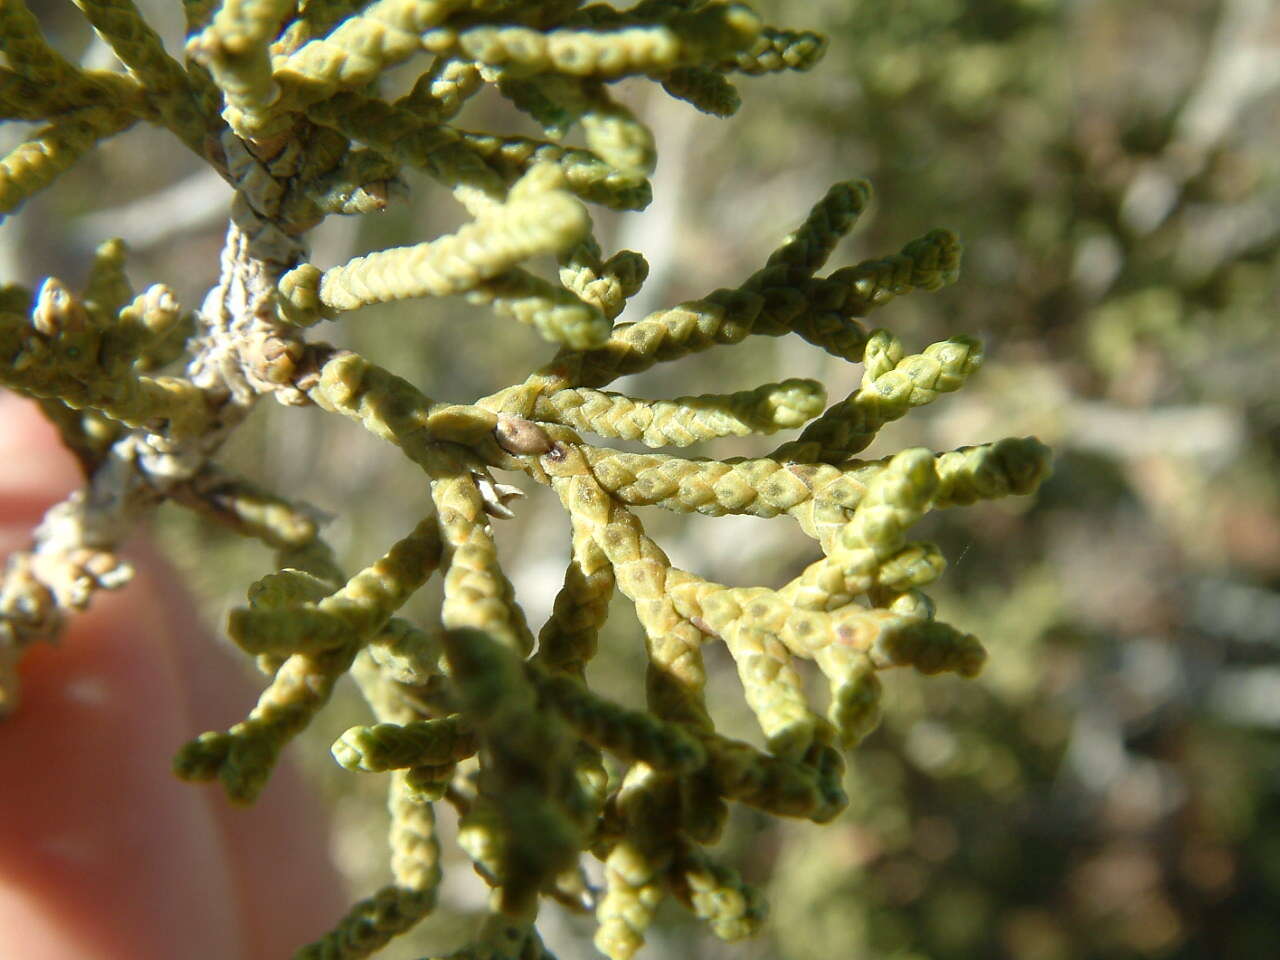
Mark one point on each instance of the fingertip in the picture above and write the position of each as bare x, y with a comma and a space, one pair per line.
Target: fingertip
36, 470
103, 853
111, 857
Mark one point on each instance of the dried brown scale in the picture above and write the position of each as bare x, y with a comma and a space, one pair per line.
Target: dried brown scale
521, 437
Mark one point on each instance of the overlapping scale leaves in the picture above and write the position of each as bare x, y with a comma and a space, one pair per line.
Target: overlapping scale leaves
480, 710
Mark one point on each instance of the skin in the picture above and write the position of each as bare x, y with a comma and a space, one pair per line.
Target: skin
104, 854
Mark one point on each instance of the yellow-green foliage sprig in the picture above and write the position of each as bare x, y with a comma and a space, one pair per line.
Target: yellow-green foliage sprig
283, 99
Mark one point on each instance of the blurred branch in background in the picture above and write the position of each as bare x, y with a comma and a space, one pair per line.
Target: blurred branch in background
198, 202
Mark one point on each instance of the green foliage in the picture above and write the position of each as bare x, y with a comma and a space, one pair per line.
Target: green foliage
285, 102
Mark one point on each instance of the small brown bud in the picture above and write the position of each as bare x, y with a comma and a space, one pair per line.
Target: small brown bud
521, 437
272, 359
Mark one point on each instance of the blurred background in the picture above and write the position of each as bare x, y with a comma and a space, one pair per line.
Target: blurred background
1110, 787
